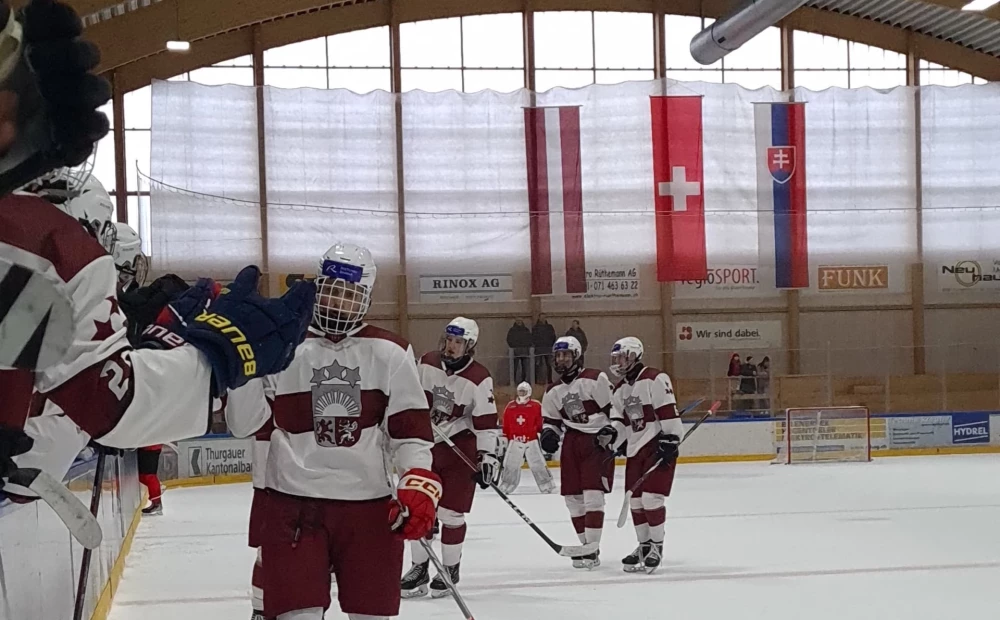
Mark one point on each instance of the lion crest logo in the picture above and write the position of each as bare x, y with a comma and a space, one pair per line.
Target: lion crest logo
573, 409
634, 412
336, 405
442, 404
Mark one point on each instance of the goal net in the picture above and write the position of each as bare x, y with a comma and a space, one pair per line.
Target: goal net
823, 435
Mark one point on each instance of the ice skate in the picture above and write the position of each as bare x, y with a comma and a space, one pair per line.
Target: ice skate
438, 587
653, 557
414, 583
588, 562
635, 561
155, 509
257, 615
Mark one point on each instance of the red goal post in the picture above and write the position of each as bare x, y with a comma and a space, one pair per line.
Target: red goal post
823, 435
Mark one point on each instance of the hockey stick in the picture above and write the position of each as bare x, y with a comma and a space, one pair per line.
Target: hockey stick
95, 505
568, 551
446, 578
623, 516
78, 520
604, 479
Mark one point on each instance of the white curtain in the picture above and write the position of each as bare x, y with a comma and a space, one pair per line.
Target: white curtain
205, 216
331, 176
961, 172
861, 176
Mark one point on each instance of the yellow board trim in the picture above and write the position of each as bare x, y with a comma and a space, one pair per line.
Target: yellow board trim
938, 451
207, 480
103, 608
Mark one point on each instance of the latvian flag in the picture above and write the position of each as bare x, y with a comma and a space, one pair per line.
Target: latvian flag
781, 191
555, 200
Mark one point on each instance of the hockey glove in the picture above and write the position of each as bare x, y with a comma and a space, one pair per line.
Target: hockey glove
62, 63
167, 332
489, 467
667, 449
143, 305
606, 437
412, 513
245, 336
549, 441
12, 443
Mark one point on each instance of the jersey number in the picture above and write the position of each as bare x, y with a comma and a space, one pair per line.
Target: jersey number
118, 378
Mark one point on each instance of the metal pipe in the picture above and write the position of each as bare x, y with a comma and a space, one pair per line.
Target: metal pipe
729, 33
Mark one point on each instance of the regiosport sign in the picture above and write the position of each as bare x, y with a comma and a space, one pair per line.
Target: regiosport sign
724, 281
728, 335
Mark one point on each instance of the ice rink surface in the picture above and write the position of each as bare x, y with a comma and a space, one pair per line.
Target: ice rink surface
914, 538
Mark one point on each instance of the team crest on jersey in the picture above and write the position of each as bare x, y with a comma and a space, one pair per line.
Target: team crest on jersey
573, 409
633, 411
442, 404
336, 405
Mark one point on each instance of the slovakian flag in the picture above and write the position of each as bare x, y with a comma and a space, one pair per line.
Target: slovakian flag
781, 191
678, 188
555, 200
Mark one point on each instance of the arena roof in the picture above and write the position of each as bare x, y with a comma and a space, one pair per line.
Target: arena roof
132, 34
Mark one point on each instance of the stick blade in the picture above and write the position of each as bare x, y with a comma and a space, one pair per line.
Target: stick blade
623, 515
77, 518
575, 551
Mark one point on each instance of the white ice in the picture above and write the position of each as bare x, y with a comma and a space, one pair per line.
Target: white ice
913, 538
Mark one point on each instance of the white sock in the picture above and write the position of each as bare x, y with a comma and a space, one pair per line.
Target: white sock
418, 554
313, 613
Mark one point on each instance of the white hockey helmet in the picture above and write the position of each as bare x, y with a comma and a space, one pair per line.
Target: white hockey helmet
344, 284
566, 353
523, 392
459, 341
90, 204
132, 264
625, 354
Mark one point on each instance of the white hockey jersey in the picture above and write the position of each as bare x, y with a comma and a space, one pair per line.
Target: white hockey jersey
337, 410
584, 404
649, 407
460, 401
103, 389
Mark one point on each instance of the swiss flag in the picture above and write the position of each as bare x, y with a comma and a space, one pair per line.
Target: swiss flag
679, 189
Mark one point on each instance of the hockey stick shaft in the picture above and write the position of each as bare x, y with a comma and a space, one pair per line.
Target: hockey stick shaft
561, 550
95, 505
446, 577
623, 515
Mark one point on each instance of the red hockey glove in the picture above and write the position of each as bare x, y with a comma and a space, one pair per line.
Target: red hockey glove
412, 514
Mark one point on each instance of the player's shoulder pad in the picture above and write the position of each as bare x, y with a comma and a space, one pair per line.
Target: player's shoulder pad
377, 333
476, 373
37, 226
431, 358
649, 373
590, 373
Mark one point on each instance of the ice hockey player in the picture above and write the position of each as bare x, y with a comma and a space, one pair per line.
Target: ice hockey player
522, 421
459, 391
351, 395
131, 263
581, 403
646, 398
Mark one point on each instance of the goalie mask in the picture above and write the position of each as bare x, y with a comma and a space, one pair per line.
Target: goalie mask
625, 354
132, 264
344, 287
566, 353
458, 343
523, 392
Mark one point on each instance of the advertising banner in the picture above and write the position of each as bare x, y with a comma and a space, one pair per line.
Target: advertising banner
852, 277
968, 275
610, 282
970, 428
727, 335
725, 281
484, 287
213, 457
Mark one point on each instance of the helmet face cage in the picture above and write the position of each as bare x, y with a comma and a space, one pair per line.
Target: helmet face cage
106, 234
136, 271
340, 305
454, 343
622, 360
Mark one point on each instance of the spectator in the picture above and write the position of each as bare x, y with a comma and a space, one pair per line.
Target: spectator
519, 340
748, 377
764, 383
577, 332
735, 366
543, 336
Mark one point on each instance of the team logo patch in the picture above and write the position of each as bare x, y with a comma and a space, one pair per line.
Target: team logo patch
633, 411
781, 162
336, 405
573, 409
442, 404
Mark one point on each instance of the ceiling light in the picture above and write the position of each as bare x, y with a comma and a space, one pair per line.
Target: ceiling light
979, 5
183, 46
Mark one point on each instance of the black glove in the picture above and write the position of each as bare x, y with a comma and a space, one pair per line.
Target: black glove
244, 335
62, 62
143, 305
667, 449
12, 442
489, 467
549, 440
606, 437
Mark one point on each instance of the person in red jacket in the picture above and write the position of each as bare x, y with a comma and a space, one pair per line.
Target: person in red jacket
522, 421
149, 465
